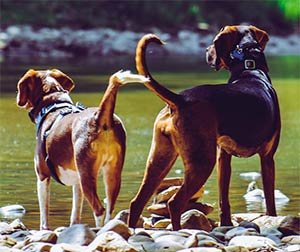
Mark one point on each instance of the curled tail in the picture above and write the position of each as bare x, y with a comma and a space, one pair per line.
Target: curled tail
104, 116
172, 99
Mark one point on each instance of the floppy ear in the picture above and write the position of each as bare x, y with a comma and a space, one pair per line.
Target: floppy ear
261, 36
23, 89
224, 43
65, 81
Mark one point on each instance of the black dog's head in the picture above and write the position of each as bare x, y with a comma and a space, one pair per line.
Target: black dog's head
218, 54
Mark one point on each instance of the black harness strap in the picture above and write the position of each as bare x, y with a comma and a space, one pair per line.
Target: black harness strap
66, 109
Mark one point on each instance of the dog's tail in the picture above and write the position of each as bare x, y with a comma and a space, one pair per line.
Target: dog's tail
172, 99
104, 116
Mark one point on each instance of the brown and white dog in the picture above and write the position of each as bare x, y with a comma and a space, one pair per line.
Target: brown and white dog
75, 143
213, 122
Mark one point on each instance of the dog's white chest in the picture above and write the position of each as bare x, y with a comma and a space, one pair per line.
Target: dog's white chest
68, 176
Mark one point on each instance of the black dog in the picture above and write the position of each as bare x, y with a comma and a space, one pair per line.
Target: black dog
240, 118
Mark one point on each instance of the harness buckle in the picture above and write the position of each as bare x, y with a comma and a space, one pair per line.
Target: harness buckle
249, 64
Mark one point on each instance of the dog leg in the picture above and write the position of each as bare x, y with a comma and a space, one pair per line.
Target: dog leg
88, 174
112, 182
160, 160
268, 178
44, 198
224, 174
76, 204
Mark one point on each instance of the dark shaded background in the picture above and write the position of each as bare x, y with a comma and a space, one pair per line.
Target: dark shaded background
276, 16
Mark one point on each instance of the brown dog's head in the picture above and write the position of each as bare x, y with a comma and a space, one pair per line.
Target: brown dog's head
34, 85
218, 54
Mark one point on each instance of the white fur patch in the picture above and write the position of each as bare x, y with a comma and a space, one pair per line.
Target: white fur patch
67, 176
127, 77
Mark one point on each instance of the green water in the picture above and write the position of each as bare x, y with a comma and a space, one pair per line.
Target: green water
138, 108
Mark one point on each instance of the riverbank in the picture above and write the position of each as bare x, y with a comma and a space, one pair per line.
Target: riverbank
251, 232
18, 41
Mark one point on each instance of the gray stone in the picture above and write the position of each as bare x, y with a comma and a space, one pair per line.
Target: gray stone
271, 231
117, 226
202, 249
252, 242
222, 229
290, 225
248, 224
42, 236
78, 234
20, 235
111, 241
235, 249
65, 247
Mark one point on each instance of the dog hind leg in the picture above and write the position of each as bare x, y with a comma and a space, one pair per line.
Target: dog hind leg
44, 198
160, 160
224, 174
76, 205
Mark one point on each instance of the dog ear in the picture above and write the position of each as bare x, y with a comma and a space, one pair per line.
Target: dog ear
23, 89
224, 43
65, 81
261, 36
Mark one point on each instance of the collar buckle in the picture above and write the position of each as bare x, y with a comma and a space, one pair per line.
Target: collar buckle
249, 64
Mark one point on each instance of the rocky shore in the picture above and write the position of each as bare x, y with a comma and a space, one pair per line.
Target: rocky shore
252, 232
16, 41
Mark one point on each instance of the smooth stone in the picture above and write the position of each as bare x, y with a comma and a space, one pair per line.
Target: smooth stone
42, 236
252, 242
172, 238
12, 211
7, 249
162, 223
5, 228
162, 246
239, 217
235, 232
220, 237
65, 247
20, 235
210, 243
38, 247
235, 249
191, 241
117, 226
167, 182
248, 224
140, 240
78, 234
159, 233
5, 240
123, 216
17, 224
222, 229
268, 221
111, 241
202, 249
271, 231
194, 219
159, 209
292, 248
292, 239
290, 225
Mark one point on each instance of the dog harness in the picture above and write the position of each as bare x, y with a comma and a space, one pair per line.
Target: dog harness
65, 108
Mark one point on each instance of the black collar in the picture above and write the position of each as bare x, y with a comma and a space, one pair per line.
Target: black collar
248, 56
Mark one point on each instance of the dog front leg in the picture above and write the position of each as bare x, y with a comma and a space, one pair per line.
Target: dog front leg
44, 198
76, 204
224, 174
161, 158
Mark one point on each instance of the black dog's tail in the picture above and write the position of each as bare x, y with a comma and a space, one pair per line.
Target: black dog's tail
172, 99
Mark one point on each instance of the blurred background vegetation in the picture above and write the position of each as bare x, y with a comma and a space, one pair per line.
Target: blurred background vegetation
277, 16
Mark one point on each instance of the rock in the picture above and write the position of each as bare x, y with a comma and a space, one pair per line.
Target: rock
42, 236
172, 237
38, 247
239, 217
292, 239
20, 235
5, 240
64, 247
222, 229
237, 231
18, 225
5, 228
78, 234
268, 221
271, 232
202, 249
123, 216
248, 224
111, 241
235, 249
117, 226
292, 248
140, 239
12, 211
252, 242
194, 219
162, 223
290, 225
168, 182
166, 194
162, 208
210, 243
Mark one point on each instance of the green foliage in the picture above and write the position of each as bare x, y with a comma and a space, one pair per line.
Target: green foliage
277, 16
